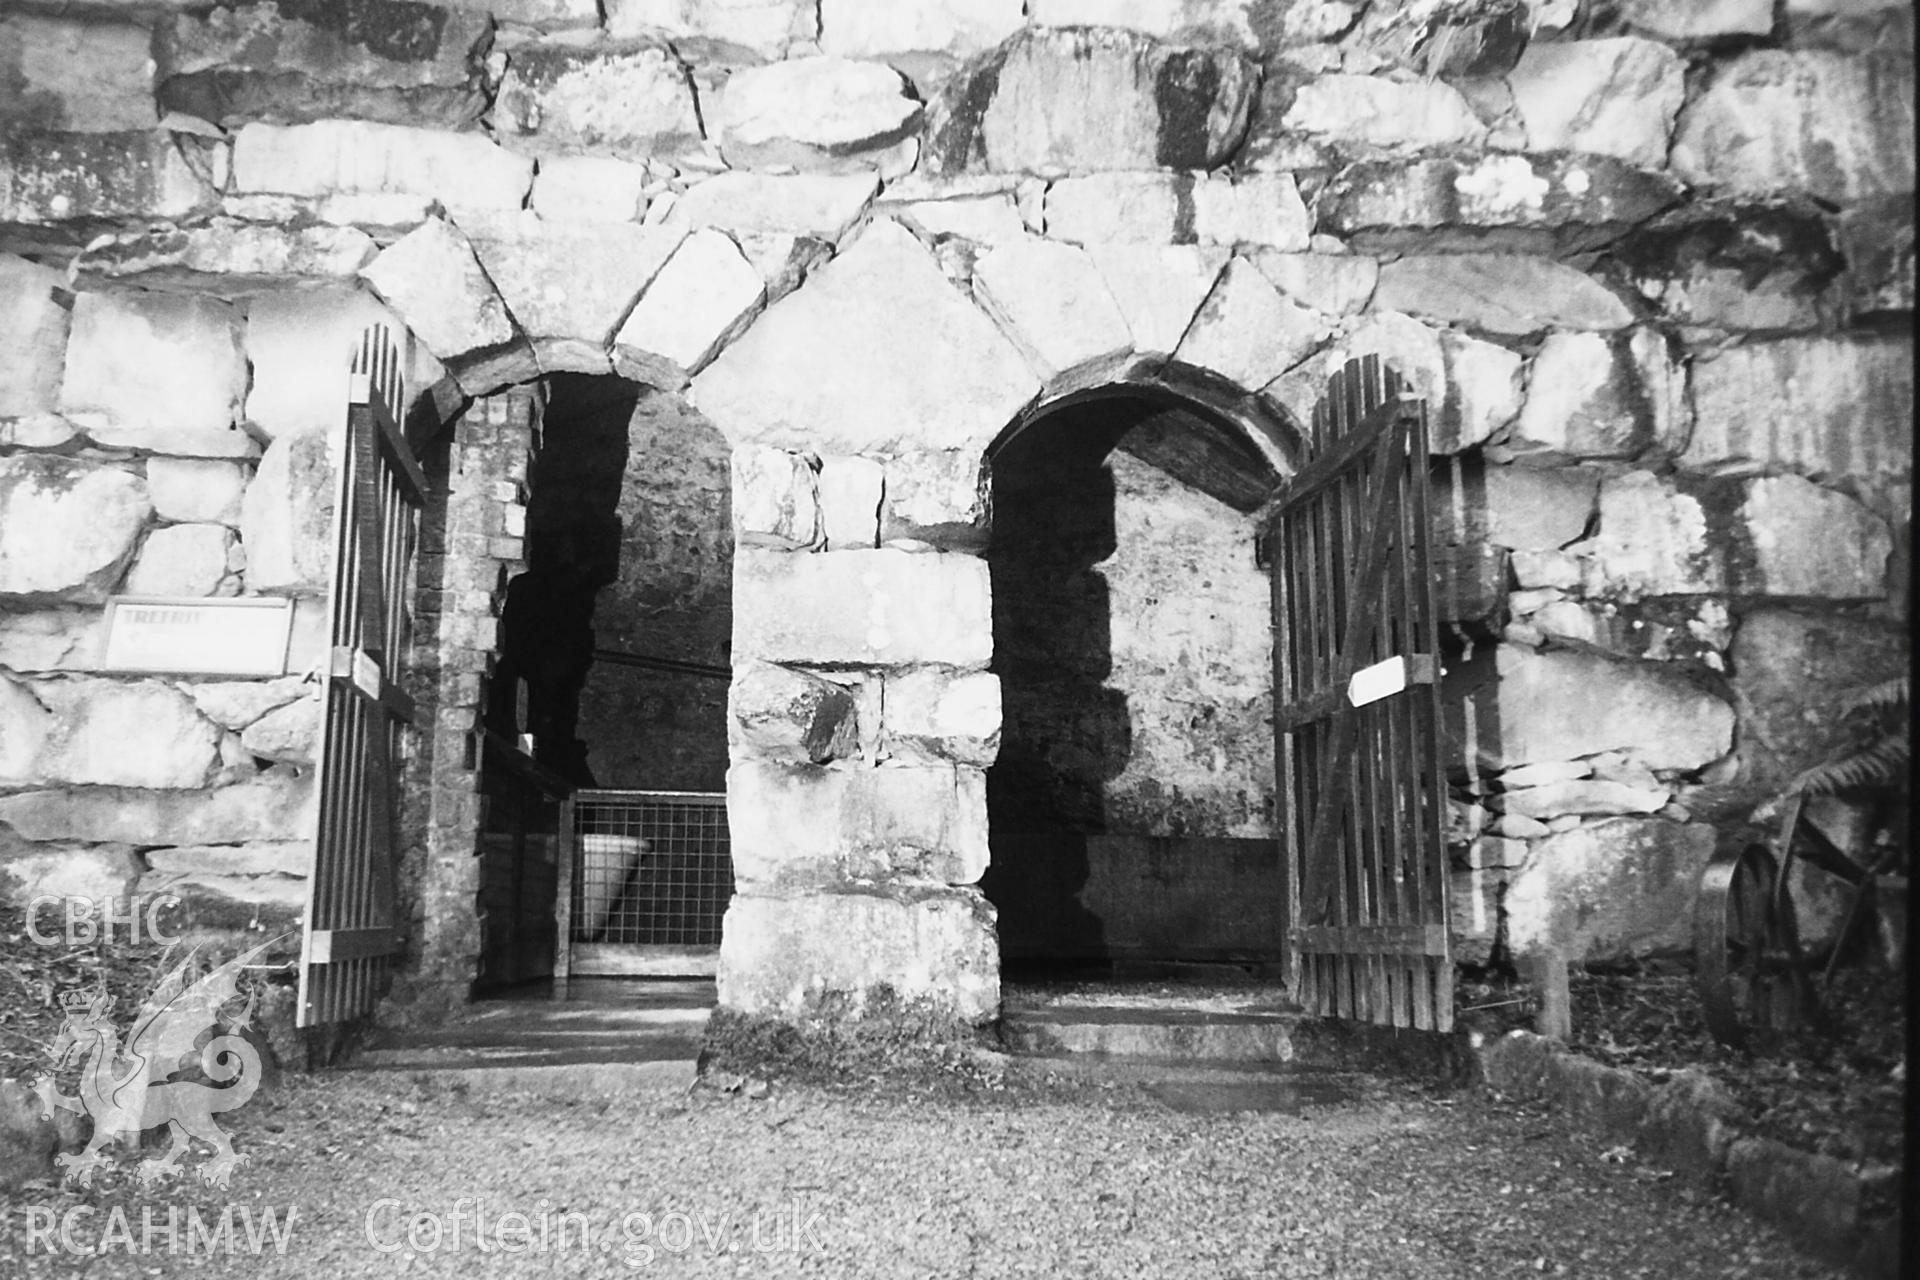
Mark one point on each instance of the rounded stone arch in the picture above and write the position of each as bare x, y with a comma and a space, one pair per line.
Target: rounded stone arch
1248, 432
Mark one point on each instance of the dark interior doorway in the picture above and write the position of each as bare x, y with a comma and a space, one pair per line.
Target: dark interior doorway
1131, 810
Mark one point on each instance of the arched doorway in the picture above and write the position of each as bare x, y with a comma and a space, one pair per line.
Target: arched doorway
1132, 807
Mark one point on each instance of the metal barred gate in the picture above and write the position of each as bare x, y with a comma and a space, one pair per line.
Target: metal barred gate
1357, 711
350, 928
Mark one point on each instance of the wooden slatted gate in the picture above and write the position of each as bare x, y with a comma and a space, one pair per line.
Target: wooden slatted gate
351, 929
1357, 711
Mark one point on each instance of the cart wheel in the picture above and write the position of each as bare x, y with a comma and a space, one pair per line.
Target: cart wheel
1747, 950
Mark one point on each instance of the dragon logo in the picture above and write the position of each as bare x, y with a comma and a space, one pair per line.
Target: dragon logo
129, 1090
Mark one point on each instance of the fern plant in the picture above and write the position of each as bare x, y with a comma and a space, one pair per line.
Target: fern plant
1880, 756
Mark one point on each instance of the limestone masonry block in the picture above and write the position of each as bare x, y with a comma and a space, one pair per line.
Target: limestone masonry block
90, 77
235, 704
1532, 509
288, 734
631, 102
67, 527
945, 499
464, 171
1822, 407
1610, 890
1808, 542
703, 298
1247, 333
256, 858
851, 490
573, 280
1339, 283
1653, 538
433, 280
54, 177
225, 246
1052, 301
300, 343
883, 608
1617, 97
961, 28
1221, 21
286, 518
816, 115
146, 360
786, 956
1372, 111
49, 640
1098, 209
1827, 124
1547, 194
876, 352
776, 501
65, 870
1499, 293
1590, 396
275, 806
1700, 19
781, 714
115, 733
590, 189
803, 825
25, 723
932, 715
34, 311
184, 560
1054, 102
1565, 704
1262, 210
1159, 288
817, 204
1594, 796
762, 27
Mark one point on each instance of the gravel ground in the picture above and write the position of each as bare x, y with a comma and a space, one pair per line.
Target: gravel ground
1039, 1176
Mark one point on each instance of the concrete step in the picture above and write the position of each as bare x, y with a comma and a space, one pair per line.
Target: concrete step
633, 1038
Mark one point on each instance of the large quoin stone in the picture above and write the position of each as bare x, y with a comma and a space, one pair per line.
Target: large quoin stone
275, 806
54, 177
90, 77
1566, 704
1590, 396
1830, 125
1052, 301
1159, 288
124, 734
1804, 541
704, 297
803, 955
286, 518
817, 115
1538, 509
464, 171
1082, 99
184, 560
1372, 111
962, 28
788, 715
67, 527
288, 734
631, 103
300, 343
1246, 332
1617, 97
1822, 407
154, 360
870, 608
1500, 293
762, 27
932, 715
433, 280
1609, 891
776, 499
817, 204
1653, 539
875, 352
802, 825
34, 309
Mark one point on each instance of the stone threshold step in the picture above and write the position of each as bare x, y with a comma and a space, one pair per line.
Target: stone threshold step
660, 1078
1182, 1035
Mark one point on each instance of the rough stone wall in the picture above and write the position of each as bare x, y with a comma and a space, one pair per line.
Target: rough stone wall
1651, 265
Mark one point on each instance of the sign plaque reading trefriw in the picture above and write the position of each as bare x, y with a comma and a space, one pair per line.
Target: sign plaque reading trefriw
195, 636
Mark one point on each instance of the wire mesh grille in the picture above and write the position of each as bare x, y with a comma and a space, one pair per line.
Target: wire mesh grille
655, 867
